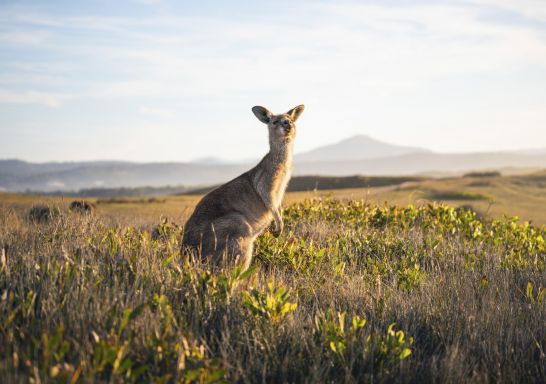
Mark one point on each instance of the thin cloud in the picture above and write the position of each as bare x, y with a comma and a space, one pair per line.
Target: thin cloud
158, 112
32, 97
18, 38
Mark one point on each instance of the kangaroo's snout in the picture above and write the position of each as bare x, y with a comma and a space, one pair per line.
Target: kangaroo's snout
286, 127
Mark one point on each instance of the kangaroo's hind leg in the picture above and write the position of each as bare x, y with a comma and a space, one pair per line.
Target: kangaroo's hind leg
241, 249
233, 239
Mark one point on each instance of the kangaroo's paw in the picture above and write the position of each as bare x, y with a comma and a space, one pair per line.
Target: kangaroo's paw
277, 230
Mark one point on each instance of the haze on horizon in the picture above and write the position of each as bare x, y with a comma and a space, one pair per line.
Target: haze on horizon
155, 80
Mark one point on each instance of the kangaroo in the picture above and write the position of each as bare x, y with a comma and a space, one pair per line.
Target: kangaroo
227, 220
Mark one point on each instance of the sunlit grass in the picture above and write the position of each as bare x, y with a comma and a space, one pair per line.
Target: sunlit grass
350, 292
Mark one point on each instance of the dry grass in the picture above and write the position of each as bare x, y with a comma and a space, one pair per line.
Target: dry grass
95, 299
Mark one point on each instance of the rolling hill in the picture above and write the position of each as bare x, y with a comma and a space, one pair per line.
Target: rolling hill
357, 155
356, 148
423, 164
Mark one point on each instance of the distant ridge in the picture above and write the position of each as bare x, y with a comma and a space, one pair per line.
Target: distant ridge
357, 147
424, 164
48, 177
357, 155
208, 160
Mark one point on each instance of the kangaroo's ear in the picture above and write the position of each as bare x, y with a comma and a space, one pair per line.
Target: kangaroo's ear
262, 114
294, 113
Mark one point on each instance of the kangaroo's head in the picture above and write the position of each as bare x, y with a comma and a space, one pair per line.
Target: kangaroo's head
282, 128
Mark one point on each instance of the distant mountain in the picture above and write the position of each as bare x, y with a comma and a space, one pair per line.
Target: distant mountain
21, 176
423, 164
208, 160
358, 155
356, 148
534, 151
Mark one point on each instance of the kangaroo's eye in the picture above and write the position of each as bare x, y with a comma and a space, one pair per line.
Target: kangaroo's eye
286, 123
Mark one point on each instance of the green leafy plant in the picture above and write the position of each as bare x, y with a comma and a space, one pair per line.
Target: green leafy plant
394, 344
334, 332
195, 367
535, 299
111, 352
272, 304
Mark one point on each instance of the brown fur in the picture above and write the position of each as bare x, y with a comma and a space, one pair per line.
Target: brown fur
226, 221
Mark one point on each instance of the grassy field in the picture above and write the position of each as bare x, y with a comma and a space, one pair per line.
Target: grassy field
352, 291
523, 196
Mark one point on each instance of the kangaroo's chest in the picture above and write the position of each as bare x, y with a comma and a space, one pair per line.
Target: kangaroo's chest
280, 182
271, 177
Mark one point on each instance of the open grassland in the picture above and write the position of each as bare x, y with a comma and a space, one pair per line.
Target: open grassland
523, 196
350, 292
487, 193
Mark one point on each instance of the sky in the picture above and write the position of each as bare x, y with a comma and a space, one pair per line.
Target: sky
154, 80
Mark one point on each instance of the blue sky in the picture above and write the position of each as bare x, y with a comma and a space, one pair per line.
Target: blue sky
174, 80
